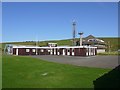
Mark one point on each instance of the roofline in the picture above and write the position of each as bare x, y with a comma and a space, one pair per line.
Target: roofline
55, 47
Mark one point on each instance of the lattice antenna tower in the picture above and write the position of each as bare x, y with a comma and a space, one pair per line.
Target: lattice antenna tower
74, 32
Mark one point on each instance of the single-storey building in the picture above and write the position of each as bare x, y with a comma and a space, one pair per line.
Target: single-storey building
59, 50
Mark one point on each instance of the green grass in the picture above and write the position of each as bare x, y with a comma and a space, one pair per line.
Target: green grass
114, 42
26, 72
109, 53
114, 45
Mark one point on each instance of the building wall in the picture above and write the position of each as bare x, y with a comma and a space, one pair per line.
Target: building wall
80, 51
14, 51
100, 50
76, 51
52, 51
95, 51
61, 51
22, 51
66, 51
39, 51
57, 51
43, 51
91, 51
70, 51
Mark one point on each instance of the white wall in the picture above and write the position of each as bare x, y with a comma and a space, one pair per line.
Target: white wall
51, 52
17, 51
73, 52
58, 53
63, 51
87, 52
100, 50
54, 51
94, 52
68, 53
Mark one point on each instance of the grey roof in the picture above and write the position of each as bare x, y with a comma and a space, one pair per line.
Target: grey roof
90, 37
85, 40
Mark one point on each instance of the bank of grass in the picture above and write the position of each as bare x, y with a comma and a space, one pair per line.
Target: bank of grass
109, 53
113, 42
27, 72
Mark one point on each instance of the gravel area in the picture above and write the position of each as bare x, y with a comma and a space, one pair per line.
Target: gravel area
91, 61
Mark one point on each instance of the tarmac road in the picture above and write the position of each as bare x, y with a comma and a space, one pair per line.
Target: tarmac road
91, 61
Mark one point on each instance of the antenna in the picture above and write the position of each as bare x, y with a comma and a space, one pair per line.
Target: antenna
74, 31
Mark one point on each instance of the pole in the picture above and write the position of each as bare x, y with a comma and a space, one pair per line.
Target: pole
36, 46
109, 47
74, 32
80, 40
81, 33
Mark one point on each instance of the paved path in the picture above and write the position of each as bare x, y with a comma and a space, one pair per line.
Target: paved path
92, 61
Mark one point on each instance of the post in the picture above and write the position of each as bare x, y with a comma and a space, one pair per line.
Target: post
81, 33
80, 40
36, 46
109, 47
36, 50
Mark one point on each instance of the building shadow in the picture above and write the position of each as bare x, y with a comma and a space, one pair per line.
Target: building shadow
108, 80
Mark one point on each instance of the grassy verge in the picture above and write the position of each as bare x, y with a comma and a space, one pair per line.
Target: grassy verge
114, 42
27, 72
109, 53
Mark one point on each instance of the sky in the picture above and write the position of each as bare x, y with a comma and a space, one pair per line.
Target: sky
30, 21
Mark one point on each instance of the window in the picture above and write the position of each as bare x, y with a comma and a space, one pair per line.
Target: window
33, 50
48, 50
27, 50
42, 50
68, 50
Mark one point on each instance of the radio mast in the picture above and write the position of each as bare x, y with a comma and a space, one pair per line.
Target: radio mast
74, 32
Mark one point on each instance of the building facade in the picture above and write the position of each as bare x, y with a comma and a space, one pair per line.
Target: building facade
33, 50
94, 42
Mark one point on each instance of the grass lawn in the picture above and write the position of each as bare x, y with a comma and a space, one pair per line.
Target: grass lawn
114, 45
27, 72
109, 53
